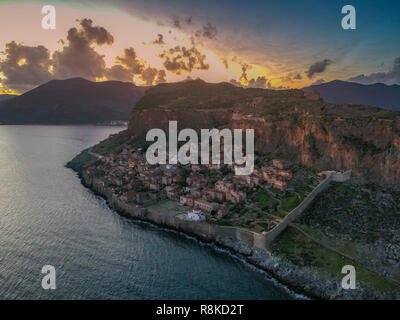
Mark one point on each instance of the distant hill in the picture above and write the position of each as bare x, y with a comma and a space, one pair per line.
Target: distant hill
72, 101
377, 95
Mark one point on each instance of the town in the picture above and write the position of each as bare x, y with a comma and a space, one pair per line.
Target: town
211, 192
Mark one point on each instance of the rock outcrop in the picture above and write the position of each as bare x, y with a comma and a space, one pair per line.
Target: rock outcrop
313, 132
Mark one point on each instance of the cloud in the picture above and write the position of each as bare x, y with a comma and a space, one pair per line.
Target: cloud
181, 59
389, 78
318, 67
225, 62
25, 67
128, 65
159, 40
209, 31
96, 34
245, 68
78, 58
245, 82
176, 22
118, 72
291, 77
130, 61
152, 76
259, 82
189, 20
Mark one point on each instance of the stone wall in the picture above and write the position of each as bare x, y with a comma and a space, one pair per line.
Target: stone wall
296, 212
238, 239
341, 176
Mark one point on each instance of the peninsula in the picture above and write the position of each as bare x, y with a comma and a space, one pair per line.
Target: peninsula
282, 218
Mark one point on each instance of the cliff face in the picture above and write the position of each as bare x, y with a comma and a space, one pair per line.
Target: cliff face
317, 134
144, 120
370, 149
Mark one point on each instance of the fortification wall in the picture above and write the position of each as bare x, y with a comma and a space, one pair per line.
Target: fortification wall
238, 239
341, 176
296, 212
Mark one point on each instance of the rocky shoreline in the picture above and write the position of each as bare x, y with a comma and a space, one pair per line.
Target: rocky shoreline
301, 280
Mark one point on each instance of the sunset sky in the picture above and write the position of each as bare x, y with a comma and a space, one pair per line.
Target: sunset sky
273, 44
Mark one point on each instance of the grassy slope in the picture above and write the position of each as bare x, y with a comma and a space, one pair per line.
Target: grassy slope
293, 246
105, 147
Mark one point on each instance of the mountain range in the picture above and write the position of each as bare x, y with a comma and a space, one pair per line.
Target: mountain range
377, 95
79, 101
72, 101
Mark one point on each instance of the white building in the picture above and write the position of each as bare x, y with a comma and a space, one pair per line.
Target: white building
196, 215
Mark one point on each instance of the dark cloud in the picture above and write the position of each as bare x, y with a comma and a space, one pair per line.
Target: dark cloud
245, 68
152, 76
189, 20
389, 78
25, 67
118, 72
78, 58
176, 22
95, 34
209, 31
259, 82
159, 40
128, 65
225, 62
291, 77
130, 61
180, 59
318, 67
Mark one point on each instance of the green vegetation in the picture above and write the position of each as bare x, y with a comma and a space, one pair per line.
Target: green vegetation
112, 144
264, 200
288, 204
263, 225
190, 94
360, 145
295, 247
279, 214
81, 161
277, 191
312, 142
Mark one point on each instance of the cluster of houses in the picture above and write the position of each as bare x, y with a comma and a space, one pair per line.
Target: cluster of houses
136, 181
231, 189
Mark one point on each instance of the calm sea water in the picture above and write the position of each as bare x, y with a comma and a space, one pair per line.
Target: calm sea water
48, 218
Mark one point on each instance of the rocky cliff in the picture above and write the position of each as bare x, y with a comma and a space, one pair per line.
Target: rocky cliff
304, 129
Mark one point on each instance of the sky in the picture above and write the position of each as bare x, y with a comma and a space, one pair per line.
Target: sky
268, 44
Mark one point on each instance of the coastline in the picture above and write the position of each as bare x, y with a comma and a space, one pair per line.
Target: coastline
299, 281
